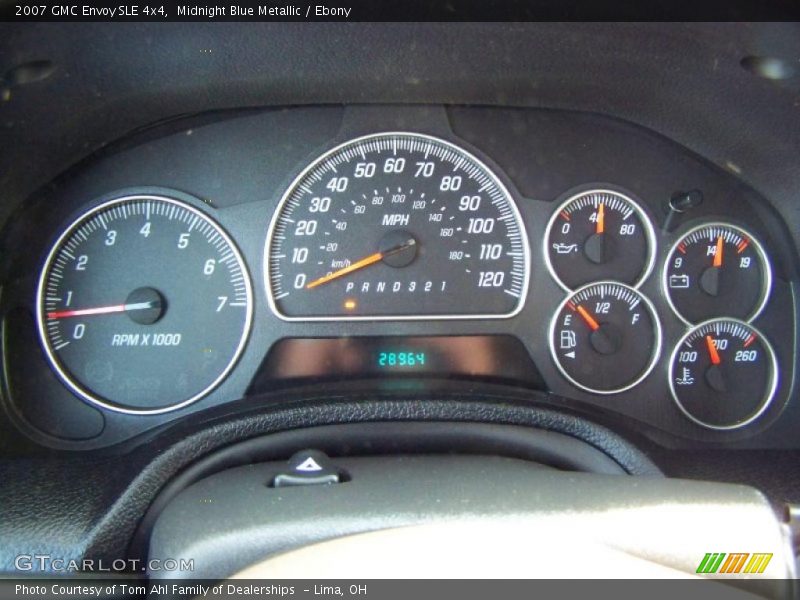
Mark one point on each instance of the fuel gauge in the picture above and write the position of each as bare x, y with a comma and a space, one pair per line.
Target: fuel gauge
723, 374
605, 338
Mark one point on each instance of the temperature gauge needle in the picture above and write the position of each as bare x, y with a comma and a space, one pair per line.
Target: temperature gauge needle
101, 310
361, 264
712, 351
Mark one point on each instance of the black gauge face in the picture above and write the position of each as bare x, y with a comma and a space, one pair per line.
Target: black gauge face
723, 374
396, 226
717, 270
605, 338
144, 305
599, 235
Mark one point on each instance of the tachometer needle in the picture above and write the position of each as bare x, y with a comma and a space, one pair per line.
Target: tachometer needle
712, 351
360, 264
601, 214
101, 310
718, 252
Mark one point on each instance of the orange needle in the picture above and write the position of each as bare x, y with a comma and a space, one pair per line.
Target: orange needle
364, 262
594, 325
712, 351
718, 253
601, 214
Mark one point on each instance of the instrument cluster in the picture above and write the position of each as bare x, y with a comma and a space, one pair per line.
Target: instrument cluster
379, 251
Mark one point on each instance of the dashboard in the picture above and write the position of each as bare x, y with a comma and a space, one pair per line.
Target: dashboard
228, 259
468, 270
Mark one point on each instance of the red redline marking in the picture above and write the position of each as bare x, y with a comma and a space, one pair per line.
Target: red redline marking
742, 245
571, 305
682, 248
749, 340
565, 215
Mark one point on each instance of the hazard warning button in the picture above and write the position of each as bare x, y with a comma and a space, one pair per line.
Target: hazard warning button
309, 467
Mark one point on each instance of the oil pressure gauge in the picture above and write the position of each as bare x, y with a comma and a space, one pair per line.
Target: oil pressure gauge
597, 235
717, 270
605, 338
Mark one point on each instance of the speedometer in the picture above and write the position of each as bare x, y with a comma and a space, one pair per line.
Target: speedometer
396, 226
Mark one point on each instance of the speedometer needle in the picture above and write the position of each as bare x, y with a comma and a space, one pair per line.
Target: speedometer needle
101, 310
360, 264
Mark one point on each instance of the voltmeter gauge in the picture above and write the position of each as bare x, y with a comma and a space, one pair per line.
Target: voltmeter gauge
723, 374
605, 338
717, 270
599, 235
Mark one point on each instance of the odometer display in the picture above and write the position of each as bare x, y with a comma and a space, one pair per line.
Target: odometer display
396, 226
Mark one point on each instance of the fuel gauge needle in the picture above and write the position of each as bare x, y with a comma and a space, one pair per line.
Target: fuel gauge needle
588, 318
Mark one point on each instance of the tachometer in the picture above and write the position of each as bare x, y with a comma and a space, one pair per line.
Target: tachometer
396, 226
144, 305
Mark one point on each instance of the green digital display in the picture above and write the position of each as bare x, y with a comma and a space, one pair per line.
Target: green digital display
400, 358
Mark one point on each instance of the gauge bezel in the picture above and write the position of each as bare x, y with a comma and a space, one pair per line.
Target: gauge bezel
766, 288
773, 383
357, 140
657, 341
80, 390
643, 217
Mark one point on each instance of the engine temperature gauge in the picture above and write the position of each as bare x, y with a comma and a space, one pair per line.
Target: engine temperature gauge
723, 374
605, 338
717, 270
599, 235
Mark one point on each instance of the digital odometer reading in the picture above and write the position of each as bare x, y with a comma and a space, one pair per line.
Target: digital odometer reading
408, 359
396, 226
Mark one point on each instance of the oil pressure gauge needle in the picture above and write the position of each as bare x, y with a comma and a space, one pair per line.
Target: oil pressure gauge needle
377, 257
